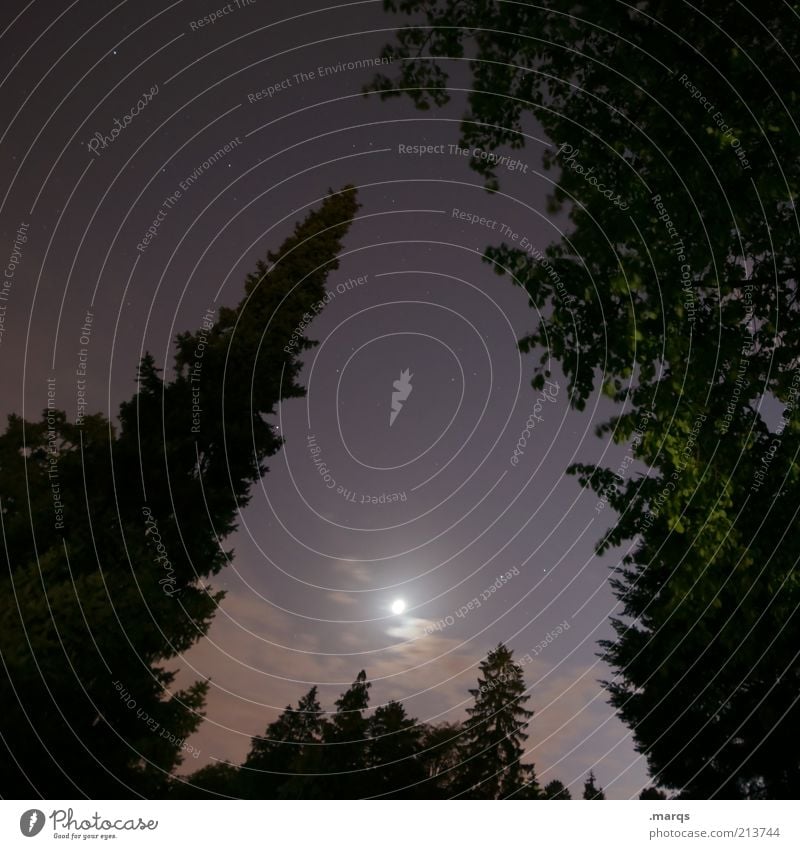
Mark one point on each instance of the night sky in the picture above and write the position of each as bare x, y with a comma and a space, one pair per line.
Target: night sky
429, 510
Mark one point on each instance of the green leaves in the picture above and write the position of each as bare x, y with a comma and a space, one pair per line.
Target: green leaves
697, 300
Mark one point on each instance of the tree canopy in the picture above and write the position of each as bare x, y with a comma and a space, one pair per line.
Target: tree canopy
674, 292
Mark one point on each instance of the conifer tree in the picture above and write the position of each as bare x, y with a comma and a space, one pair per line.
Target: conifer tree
344, 757
95, 601
590, 791
282, 751
494, 733
394, 753
555, 789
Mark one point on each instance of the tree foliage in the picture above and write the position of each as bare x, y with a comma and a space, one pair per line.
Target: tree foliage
393, 755
99, 597
494, 732
673, 292
287, 747
555, 790
652, 794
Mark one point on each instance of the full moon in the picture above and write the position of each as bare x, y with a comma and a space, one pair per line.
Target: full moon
398, 606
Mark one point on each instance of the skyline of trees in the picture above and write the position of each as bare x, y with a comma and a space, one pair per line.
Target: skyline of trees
355, 752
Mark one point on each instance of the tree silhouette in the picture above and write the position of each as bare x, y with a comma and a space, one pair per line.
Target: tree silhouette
345, 754
304, 755
102, 590
393, 754
652, 794
590, 791
556, 790
494, 732
674, 291
440, 754
282, 753
215, 781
